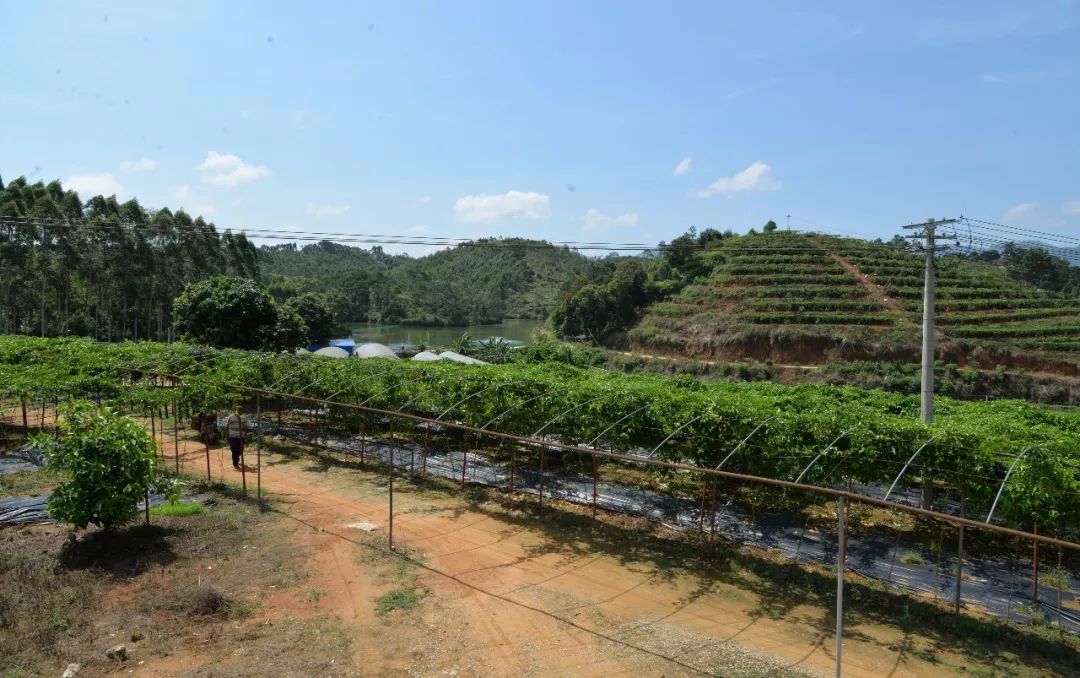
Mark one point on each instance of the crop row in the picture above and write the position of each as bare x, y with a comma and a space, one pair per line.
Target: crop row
800, 318
794, 278
1006, 316
875, 431
825, 267
1066, 330
1001, 304
961, 293
815, 305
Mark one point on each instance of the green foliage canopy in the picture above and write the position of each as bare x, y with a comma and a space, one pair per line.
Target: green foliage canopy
109, 462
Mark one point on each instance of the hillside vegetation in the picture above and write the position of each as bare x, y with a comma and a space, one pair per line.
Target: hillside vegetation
809, 298
480, 282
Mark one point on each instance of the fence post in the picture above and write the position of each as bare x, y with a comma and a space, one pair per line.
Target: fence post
840, 562
464, 456
427, 442
206, 444
146, 507
513, 464
595, 477
176, 436
391, 457
959, 567
258, 449
25, 422
543, 456
1035, 570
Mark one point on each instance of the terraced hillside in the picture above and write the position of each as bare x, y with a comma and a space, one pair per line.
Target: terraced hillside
807, 298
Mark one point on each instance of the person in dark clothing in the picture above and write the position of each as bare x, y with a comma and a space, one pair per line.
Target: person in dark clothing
234, 429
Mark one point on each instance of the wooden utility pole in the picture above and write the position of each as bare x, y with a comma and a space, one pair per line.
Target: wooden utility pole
927, 231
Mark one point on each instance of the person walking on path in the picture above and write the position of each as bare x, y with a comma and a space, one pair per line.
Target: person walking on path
236, 432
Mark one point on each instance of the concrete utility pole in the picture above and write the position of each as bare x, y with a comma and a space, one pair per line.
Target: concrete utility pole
927, 230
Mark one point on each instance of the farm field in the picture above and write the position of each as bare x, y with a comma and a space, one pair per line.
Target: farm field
501, 592
811, 298
868, 434
863, 436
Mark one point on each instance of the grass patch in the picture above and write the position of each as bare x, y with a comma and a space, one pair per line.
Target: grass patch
403, 599
178, 509
912, 559
27, 483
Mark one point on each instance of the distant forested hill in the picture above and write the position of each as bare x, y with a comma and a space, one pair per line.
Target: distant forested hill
478, 282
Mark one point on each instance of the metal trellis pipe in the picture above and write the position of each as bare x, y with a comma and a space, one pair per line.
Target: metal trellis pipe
744, 441
820, 454
906, 464
1007, 474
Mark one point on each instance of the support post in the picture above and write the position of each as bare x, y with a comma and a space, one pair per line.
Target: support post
701, 511
1035, 570
595, 478
427, 444
206, 444
390, 530
464, 456
258, 449
176, 437
543, 456
927, 230
513, 464
25, 421
959, 568
841, 559
146, 506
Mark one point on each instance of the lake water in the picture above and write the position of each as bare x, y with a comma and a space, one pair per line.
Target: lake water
398, 337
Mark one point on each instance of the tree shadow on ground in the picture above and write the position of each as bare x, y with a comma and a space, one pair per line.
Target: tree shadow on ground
780, 587
125, 552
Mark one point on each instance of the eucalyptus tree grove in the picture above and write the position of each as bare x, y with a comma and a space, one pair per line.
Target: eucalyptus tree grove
103, 268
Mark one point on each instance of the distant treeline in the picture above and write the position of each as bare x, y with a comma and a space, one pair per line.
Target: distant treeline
103, 268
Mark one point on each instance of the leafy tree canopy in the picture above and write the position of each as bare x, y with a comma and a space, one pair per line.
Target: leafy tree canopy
109, 462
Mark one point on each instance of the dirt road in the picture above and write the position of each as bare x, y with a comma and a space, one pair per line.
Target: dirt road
512, 595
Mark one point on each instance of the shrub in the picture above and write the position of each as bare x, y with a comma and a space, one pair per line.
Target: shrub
108, 461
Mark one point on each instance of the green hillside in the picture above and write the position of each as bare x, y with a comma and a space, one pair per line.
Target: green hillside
807, 298
480, 282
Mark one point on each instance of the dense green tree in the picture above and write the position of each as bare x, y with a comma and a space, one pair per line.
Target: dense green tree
317, 314
228, 312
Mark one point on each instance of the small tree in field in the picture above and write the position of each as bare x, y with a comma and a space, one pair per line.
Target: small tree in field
109, 463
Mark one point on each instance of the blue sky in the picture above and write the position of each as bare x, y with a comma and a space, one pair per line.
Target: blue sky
566, 121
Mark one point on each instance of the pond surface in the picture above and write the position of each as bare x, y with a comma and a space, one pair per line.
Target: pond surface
398, 337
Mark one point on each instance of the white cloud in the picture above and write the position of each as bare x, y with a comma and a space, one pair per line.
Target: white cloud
426, 199
1020, 211
89, 185
594, 220
229, 171
327, 209
181, 192
418, 228
489, 208
135, 166
683, 167
1071, 207
206, 210
756, 177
